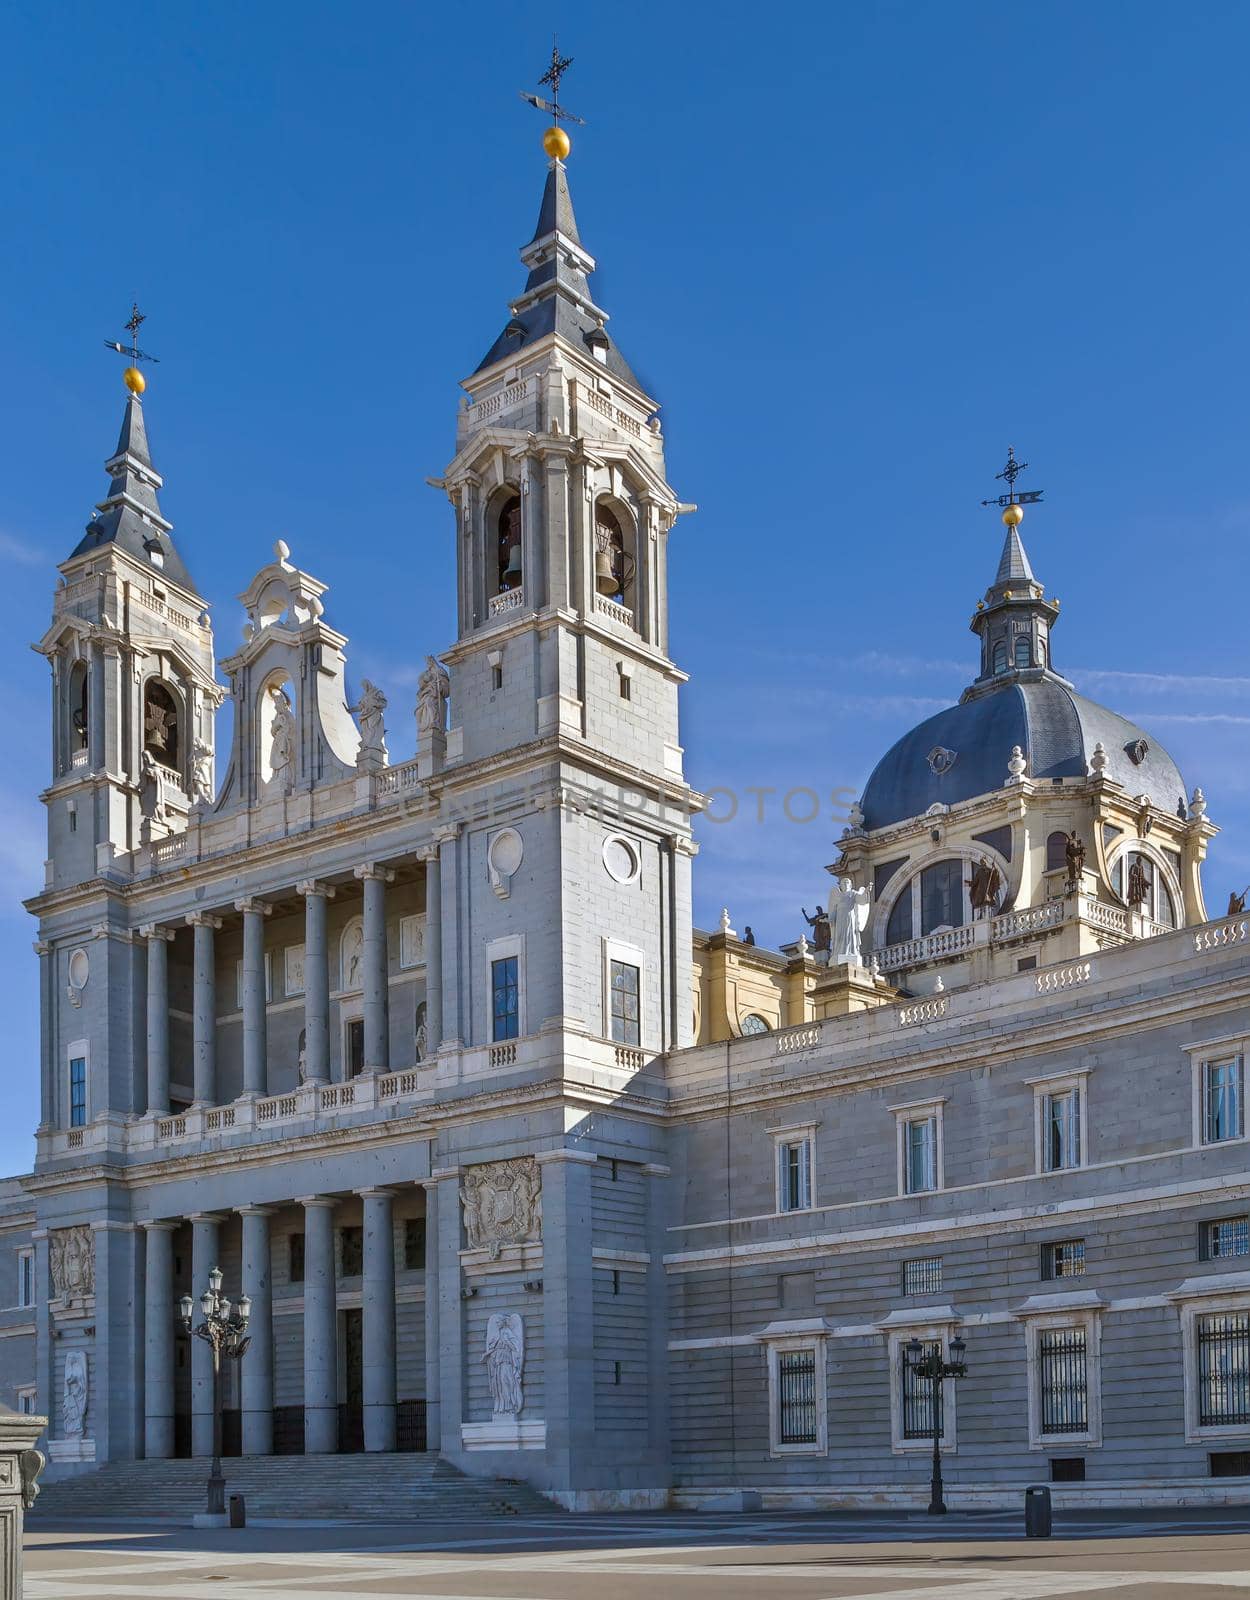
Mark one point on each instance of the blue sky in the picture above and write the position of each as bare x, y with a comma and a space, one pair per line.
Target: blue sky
855, 251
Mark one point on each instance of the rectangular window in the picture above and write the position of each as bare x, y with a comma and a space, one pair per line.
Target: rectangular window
414, 1244
626, 1017
505, 999
920, 1154
794, 1175
923, 1275
1063, 1258
78, 1092
1061, 1129
26, 1402
354, 1047
1221, 1100
1226, 1236
1062, 1380
1229, 1463
351, 1252
1067, 1469
796, 1396
918, 1395
1224, 1369
25, 1277
295, 1257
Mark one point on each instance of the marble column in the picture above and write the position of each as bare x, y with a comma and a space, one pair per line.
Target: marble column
158, 1018
568, 1311
158, 1341
321, 1366
452, 1017
255, 1075
433, 949
47, 1055
204, 1008
256, 1367
316, 982
379, 1319
375, 968
433, 1364
205, 1254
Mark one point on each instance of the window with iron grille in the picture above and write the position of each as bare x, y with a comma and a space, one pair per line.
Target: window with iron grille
1226, 1236
918, 1395
351, 1252
1062, 1380
1221, 1100
1067, 1469
1224, 1369
414, 1244
796, 1396
923, 1275
625, 1013
1228, 1463
1061, 1129
1063, 1258
505, 998
78, 1092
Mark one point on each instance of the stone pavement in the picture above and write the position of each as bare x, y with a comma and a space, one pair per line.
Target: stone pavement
1198, 1555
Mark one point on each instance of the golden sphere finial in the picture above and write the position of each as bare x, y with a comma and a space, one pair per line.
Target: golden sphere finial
134, 381
556, 143
1013, 516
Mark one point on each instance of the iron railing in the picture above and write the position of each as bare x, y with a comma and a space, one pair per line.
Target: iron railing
1064, 1385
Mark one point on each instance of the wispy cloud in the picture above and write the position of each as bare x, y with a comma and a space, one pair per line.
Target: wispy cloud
21, 551
1162, 682
1190, 716
23, 842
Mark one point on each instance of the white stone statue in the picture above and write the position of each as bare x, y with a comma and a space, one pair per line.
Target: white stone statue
353, 952
152, 790
369, 708
433, 693
504, 1360
202, 773
502, 1204
74, 1395
282, 740
848, 911
72, 1260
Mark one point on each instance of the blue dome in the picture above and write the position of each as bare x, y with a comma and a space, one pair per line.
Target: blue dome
964, 751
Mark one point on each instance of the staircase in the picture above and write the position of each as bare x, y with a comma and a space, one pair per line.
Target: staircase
406, 1488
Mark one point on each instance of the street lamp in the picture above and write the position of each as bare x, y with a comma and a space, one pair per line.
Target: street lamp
224, 1330
935, 1370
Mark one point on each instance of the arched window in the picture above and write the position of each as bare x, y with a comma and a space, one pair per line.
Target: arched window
1000, 656
1024, 651
1056, 851
942, 896
899, 927
1140, 882
614, 566
160, 724
753, 1023
508, 546
79, 736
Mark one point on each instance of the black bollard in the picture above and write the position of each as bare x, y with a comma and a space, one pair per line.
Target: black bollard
1037, 1517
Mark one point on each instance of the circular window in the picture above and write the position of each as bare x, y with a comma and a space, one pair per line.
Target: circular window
753, 1023
620, 857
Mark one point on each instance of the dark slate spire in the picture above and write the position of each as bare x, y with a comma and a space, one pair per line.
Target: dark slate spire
130, 516
557, 296
1014, 620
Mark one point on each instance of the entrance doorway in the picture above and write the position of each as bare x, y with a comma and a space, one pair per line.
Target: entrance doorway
351, 1412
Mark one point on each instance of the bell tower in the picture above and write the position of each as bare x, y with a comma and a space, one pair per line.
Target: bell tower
131, 653
564, 698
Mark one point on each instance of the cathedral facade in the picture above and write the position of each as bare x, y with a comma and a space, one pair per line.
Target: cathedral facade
515, 1165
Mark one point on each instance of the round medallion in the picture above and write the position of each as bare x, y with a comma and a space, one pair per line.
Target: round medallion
620, 858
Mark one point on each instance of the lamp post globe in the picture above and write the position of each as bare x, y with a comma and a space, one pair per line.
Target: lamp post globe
224, 1330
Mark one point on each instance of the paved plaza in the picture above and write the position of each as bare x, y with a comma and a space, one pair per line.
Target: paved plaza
852, 1556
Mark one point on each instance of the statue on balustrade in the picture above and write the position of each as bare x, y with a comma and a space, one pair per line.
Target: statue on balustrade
370, 708
849, 911
821, 929
984, 887
1138, 883
433, 693
1074, 855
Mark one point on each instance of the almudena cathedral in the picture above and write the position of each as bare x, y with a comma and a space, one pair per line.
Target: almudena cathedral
516, 1166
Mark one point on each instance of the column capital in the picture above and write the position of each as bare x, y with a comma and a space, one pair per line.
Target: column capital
251, 903
312, 1200
206, 1216
153, 930
41, 947
681, 844
375, 869
202, 919
379, 1192
577, 1157
439, 1175
310, 886
448, 833
160, 1224
655, 1169
427, 852
255, 1211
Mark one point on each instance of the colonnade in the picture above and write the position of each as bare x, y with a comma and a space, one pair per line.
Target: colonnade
320, 1325
374, 878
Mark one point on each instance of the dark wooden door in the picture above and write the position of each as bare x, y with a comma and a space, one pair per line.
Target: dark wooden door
351, 1412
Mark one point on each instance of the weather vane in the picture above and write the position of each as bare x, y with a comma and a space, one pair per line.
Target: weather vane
555, 140
132, 377
1014, 498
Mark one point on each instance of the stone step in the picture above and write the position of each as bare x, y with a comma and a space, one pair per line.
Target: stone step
373, 1488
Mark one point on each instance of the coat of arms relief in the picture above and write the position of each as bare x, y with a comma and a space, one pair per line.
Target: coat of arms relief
71, 1254
502, 1204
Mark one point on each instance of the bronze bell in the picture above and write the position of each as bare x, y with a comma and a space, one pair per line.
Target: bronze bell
512, 572
605, 578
